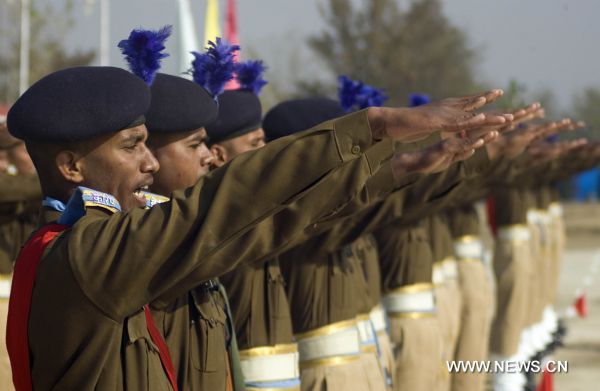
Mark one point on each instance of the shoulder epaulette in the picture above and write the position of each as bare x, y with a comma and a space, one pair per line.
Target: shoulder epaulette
154, 199
84, 198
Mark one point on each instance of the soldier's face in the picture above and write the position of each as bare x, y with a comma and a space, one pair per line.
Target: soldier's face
119, 164
228, 149
184, 158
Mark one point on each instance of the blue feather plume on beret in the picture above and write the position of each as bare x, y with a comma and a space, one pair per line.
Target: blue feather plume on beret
143, 51
249, 75
356, 95
214, 68
418, 100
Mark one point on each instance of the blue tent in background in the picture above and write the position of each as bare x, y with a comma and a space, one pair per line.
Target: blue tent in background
586, 185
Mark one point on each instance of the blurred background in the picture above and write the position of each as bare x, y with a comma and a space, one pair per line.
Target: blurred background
544, 50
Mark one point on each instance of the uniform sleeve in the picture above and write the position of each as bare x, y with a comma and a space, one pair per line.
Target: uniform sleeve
237, 213
15, 188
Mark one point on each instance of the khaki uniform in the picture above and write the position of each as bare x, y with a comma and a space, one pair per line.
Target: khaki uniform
324, 303
447, 289
263, 326
319, 282
476, 296
408, 296
536, 258
19, 208
366, 250
107, 266
512, 269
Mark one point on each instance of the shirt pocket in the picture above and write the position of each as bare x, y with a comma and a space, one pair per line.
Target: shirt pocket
146, 370
208, 331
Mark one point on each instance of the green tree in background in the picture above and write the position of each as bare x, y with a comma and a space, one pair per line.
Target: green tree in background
49, 25
585, 107
405, 51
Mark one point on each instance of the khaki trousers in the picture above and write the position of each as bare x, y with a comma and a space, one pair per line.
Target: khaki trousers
512, 269
374, 371
448, 302
348, 376
5, 371
475, 323
386, 356
535, 293
419, 351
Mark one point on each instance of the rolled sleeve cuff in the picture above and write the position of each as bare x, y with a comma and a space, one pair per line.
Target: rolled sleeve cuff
353, 135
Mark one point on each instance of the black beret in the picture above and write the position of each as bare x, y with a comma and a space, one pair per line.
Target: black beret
179, 105
292, 116
80, 103
240, 112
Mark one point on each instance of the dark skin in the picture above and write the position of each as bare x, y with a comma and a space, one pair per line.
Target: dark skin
119, 164
184, 158
447, 115
438, 157
225, 150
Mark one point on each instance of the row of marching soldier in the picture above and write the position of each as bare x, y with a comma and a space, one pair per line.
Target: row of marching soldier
172, 236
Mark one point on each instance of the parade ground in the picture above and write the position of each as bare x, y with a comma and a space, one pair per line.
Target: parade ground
581, 270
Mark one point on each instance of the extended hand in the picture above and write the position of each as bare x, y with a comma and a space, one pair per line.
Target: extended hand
447, 115
440, 156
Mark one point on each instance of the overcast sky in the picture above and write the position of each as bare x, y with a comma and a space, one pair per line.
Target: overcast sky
544, 43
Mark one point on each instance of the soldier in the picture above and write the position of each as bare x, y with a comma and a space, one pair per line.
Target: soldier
512, 269
476, 295
238, 110
268, 354
406, 261
327, 277
103, 270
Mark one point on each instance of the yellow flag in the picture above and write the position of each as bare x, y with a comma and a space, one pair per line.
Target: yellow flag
212, 26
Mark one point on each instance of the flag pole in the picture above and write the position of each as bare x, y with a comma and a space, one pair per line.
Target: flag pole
188, 40
24, 46
104, 32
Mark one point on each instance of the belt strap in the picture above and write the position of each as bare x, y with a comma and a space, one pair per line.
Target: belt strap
19, 306
163, 349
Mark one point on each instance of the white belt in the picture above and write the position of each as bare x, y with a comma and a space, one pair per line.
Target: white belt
544, 216
5, 284
517, 233
330, 344
437, 274
366, 334
533, 216
555, 209
270, 363
378, 320
468, 247
450, 269
409, 300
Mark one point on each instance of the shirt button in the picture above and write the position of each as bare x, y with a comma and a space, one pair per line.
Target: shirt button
355, 149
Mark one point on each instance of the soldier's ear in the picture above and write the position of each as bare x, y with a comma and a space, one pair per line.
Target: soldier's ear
220, 155
69, 166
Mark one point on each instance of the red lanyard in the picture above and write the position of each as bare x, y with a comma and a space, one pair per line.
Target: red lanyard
17, 327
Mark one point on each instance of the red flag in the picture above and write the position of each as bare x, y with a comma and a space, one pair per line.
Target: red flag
547, 383
581, 305
231, 35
